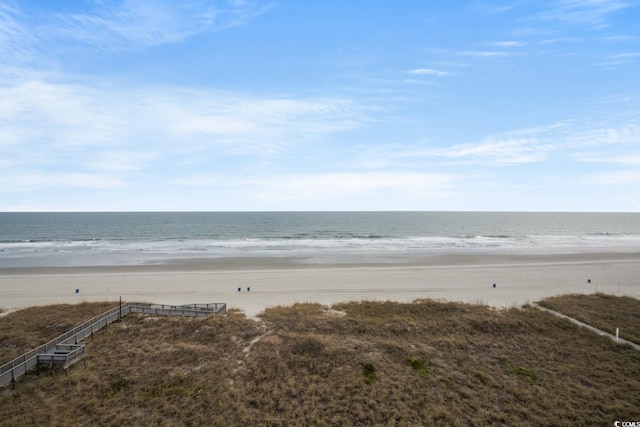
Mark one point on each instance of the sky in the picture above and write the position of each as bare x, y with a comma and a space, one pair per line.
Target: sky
241, 105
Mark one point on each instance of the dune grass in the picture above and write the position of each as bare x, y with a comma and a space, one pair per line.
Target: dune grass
602, 311
360, 363
22, 330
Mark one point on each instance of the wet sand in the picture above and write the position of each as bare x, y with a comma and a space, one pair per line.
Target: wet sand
518, 279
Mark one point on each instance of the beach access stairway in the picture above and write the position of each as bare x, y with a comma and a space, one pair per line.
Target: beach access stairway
67, 349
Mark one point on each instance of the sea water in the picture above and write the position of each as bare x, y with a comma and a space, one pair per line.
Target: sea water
66, 239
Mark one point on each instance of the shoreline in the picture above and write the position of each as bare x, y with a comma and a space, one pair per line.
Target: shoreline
288, 262
519, 279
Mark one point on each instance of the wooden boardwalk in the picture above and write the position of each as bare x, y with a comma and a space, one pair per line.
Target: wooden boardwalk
67, 349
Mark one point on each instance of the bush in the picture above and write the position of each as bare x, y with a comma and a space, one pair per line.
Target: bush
417, 364
369, 372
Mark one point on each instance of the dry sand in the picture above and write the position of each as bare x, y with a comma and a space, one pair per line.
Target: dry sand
274, 281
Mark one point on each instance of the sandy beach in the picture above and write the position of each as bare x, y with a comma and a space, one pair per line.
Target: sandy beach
252, 284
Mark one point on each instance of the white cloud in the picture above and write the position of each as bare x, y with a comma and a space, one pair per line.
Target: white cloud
604, 135
491, 9
110, 130
520, 146
80, 115
626, 55
558, 40
594, 13
630, 159
505, 151
622, 59
18, 43
506, 44
428, 72
41, 37
493, 151
488, 53
122, 130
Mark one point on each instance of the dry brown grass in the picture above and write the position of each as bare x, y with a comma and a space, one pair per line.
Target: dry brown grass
425, 363
602, 311
23, 330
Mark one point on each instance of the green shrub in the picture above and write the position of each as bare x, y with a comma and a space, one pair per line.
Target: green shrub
369, 372
519, 371
417, 364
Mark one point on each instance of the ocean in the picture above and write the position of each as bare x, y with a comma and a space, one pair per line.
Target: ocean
79, 239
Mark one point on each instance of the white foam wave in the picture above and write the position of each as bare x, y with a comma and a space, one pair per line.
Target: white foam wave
428, 244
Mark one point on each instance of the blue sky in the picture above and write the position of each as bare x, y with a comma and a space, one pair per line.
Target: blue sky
142, 105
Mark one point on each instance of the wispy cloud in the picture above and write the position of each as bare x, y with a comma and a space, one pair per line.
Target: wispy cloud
506, 44
592, 13
621, 60
18, 43
604, 135
626, 55
122, 130
69, 110
76, 114
490, 8
114, 26
489, 53
558, 40
507, 151
491, 152
145, 23
629, 159
519, 146
428, 72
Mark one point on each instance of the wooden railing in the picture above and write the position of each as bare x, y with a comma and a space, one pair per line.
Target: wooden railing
55, 351
19, 366
63, 355
191, 310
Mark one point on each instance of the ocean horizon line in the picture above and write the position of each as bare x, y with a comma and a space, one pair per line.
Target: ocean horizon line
321, 211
